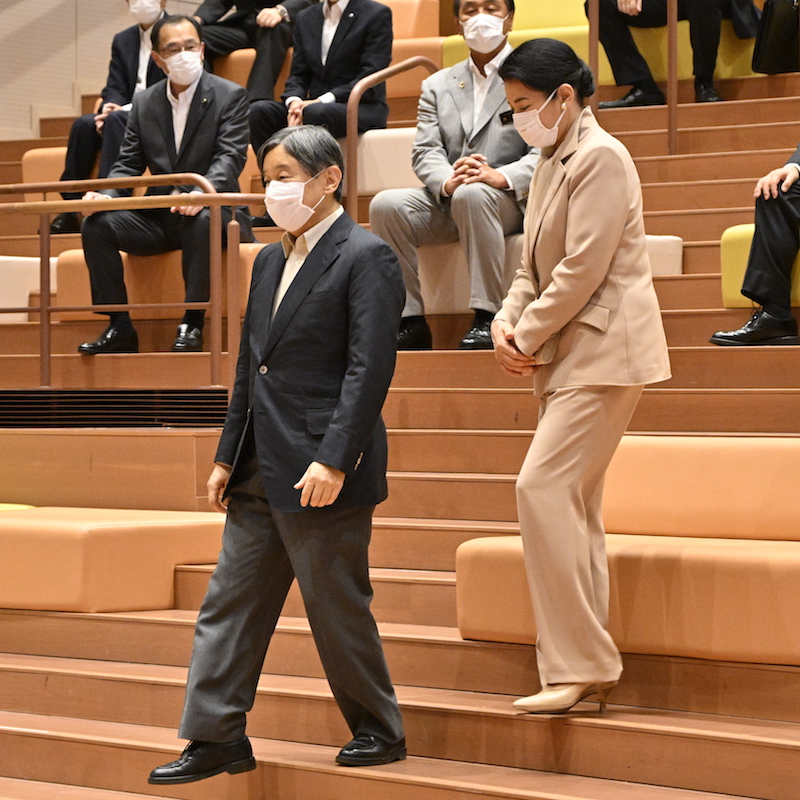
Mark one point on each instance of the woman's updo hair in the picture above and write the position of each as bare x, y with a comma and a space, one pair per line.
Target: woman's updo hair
544, 64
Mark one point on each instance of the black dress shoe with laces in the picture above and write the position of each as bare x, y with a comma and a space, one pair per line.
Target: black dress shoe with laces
414, 334
68, 222
188, 340
705, 92
368, 751
761, 329
203, 759
636, 97
479, 336
112, 340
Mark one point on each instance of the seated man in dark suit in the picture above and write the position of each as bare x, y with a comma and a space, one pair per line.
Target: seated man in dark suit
300, 466
131, 70
705, 18
335, 45
768, 277
191, 122
265, 25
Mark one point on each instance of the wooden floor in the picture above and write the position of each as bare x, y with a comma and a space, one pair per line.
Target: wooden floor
89, 703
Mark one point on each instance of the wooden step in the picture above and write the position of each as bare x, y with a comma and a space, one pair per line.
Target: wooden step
120, 756
27, 244
414, 597
692, 327
712, 166
19, 789
688, 291
685, 195
686, 750
13, 149
418, 655
701, 258
696, 225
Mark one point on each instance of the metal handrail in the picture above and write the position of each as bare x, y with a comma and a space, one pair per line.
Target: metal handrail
214, 200
672, 65
351, 145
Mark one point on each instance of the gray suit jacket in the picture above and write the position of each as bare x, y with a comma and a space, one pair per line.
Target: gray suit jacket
445, 131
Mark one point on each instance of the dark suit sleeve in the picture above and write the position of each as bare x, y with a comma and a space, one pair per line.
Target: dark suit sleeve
211, 10
300, 74
130, 161
795, 159
375, 300
376, 53
118, 89
233, 138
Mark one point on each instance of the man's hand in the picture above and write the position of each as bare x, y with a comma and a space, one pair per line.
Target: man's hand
783, 177
93, 196
474, 169
295, 116
630, 7
187, 211
511, 359
268, 17
216, 487
320, 484
105, 110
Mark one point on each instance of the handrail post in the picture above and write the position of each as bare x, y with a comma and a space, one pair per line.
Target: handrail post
45, 373
234, 263
594, 51
215, 292
672, 77
351, 127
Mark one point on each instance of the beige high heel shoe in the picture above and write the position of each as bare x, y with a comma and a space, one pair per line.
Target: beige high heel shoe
562, 696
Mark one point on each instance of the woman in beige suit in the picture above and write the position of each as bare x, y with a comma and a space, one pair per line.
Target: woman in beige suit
581, 317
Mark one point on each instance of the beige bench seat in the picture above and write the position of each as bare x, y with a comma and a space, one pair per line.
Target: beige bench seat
97, 559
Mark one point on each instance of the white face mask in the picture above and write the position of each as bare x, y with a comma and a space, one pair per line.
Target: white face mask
484, 33
284, 201
531, 128
184, 68
145, 12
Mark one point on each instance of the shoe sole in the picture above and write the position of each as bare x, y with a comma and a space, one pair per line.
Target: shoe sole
397, 755
786, 341
233, 768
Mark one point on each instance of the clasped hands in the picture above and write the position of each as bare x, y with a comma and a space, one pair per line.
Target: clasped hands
320, 486
512, 360
474, 169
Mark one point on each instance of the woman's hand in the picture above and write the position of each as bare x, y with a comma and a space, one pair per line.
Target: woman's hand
506, 352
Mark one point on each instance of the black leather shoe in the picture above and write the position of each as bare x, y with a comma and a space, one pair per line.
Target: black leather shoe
188, 340
761, 328
367, 751
203, 759
704, 92
112, 340
636, 97
68, 222
479, 336
414, 334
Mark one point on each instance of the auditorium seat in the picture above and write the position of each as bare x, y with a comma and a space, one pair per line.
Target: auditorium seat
700, 567
99, 559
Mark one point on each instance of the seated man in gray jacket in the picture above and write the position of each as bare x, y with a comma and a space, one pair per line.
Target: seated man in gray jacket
476, 170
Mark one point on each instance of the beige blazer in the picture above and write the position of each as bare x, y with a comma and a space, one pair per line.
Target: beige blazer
583, 300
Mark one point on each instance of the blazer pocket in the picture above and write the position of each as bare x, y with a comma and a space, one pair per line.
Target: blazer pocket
318, 420
594, 316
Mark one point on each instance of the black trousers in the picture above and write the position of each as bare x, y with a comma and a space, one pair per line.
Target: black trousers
627, 63
768, 278
85, 143
269, 116
271, 45
146, 233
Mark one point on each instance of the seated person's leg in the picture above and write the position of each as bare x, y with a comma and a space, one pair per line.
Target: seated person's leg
627, 63
484, 217
271, 46
767, 279
82, 147
408, 219
113, 133
705, 21
105, 233
221, 38
266, 118
332, 116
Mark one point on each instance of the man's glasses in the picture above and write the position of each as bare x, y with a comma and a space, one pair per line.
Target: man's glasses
174, 49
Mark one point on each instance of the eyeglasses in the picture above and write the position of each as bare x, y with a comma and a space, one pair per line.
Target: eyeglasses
174, 49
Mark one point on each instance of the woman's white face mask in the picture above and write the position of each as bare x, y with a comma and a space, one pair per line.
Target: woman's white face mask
531, 128
284, 201
484, 33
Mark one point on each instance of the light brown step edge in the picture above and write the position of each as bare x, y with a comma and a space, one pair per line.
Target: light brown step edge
297, 771
19, 789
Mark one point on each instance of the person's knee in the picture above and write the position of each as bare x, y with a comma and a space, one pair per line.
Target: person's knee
474, 200
384, 206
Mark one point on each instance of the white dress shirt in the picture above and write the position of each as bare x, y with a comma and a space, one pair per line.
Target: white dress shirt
180, 109
145, 49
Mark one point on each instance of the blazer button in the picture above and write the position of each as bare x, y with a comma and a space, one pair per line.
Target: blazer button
263, 369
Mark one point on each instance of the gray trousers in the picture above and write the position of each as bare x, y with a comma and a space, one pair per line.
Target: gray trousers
478, 216
262, 551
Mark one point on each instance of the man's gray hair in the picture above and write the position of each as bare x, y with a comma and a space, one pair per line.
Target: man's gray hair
312, 146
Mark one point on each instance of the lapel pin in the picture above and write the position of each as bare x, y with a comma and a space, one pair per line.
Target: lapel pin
462, 84
205, 100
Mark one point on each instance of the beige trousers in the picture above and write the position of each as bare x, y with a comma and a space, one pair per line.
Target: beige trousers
559, 500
